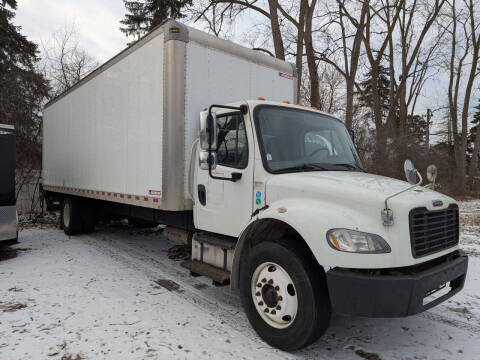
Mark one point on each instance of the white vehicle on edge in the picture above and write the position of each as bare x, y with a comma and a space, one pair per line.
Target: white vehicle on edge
271, 196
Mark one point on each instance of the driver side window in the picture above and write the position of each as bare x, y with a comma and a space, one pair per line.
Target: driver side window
232, 141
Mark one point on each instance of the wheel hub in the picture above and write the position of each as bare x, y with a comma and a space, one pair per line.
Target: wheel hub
274, 296
269, 295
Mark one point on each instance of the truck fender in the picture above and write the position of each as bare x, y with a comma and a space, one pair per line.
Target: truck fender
262, 217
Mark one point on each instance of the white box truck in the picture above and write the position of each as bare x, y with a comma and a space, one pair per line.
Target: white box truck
271, 195
8, 208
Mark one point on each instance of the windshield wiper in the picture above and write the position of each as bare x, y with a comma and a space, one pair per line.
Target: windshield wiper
350, 166
303, 167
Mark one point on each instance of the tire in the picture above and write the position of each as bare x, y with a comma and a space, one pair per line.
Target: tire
71, 219
307, 286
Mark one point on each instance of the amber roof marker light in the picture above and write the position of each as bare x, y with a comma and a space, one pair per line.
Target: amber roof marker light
175, 30
261, 98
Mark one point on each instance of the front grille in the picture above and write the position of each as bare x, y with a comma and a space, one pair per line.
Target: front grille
433, 231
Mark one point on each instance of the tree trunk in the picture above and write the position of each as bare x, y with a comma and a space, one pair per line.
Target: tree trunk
300, 39
276, 33
474, 160
350, 84
311, 60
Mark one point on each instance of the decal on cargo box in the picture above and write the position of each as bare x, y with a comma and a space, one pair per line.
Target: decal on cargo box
155, 192
285, 75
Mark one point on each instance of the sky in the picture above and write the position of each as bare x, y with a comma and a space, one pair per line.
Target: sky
96, 21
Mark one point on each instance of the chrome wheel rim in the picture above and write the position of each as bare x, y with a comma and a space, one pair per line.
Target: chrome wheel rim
274, 295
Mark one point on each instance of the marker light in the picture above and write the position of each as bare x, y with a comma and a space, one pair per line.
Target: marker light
300, 104
286, 102
314, 108
356, 242
260, 98
174, 30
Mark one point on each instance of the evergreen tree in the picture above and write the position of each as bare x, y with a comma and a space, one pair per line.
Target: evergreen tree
143, 15
473, 130
23, 88
417, 130
383, 84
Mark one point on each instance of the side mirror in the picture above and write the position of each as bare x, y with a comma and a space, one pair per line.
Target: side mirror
208, 131
410, 172
432, 173
204, 159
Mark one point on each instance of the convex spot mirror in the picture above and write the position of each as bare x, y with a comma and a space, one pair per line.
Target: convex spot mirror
431, 173
204, 158
208, 131
410, 172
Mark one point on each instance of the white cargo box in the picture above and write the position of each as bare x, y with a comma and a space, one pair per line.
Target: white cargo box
124, 133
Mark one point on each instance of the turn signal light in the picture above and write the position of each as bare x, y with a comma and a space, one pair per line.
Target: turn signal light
300, 104
314, 108
286, 102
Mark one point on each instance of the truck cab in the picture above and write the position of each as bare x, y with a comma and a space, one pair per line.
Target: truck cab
283, 206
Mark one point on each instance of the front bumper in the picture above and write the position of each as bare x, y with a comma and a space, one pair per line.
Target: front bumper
395, 292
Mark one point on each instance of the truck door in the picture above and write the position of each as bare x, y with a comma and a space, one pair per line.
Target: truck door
223, 206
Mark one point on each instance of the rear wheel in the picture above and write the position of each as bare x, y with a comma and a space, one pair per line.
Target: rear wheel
71, 216
284, 294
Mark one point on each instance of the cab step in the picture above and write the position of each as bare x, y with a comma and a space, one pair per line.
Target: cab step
219, 276
224, 242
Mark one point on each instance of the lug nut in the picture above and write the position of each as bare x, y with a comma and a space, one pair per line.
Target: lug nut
277, 287
280, 298
257, 293
264, 280
270, 281
260, 303
259, 285
273, 312
279, 307
266, 310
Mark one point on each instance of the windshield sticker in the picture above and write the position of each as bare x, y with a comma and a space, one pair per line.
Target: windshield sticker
269, 157
258, 194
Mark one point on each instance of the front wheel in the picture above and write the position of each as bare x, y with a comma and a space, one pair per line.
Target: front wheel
284, 294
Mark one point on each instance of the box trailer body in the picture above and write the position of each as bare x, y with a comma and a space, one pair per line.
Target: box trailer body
8, 209
270, 195
125, 132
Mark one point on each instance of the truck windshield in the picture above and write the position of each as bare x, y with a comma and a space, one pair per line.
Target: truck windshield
298, 140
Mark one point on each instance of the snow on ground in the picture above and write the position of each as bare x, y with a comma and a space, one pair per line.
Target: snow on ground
115, 294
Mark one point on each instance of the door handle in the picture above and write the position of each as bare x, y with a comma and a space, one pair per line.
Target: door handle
202, 194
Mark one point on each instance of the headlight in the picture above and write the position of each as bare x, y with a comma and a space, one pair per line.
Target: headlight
356, 241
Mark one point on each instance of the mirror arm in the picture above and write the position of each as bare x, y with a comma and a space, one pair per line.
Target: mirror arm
404, 190
235, 176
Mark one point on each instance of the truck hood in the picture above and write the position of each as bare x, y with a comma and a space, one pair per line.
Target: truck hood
314, 202
352, 189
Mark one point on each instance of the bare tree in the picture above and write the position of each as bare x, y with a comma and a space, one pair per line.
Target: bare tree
64, 61
464, 32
